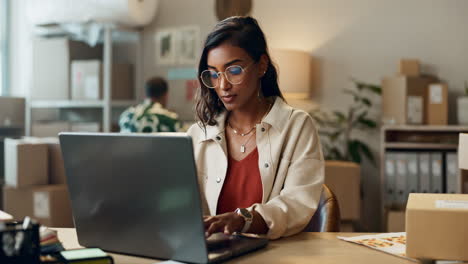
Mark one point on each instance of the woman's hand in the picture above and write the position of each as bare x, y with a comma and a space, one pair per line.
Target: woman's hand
227, 223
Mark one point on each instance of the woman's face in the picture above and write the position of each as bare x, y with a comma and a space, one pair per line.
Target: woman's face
235, 96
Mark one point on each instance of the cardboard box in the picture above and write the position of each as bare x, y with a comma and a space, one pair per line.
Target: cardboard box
437, 104
49, 129
48, 204
51, 65
85, 127
87, 81
395, 221
409, 67
403, 99
12, 111
463, 151
26, 163
436, 226
344, 179
56, 165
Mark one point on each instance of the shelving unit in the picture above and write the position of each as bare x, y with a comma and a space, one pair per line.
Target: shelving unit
106, 105
412, 138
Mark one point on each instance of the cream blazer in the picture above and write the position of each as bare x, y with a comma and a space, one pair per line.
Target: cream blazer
290, 161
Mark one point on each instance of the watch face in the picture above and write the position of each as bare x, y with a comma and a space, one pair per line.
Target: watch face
246, 213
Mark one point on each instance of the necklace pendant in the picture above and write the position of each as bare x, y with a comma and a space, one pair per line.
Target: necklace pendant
242, 148
243, 134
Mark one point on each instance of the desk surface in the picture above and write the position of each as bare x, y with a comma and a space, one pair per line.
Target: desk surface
302, 248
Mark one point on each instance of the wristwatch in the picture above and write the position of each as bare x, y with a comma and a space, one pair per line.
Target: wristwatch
247, 215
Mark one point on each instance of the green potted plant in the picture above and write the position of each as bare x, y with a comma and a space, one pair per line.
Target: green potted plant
337, 128
462, 107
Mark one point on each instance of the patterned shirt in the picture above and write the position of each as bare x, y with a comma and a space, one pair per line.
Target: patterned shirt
148, 117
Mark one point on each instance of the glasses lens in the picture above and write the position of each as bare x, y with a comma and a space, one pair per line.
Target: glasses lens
209, 78
235, 74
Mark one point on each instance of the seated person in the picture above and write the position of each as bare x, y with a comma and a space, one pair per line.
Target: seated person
259, 160
151, 115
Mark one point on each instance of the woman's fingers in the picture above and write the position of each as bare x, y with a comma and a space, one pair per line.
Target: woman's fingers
215, 227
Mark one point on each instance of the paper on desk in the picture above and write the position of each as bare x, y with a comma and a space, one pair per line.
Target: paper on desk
391, 243
5, 217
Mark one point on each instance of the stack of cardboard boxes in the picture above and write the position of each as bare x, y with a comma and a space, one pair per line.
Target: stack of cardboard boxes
413, 98
35, 182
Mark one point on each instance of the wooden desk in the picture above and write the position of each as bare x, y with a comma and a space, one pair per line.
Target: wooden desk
321, 248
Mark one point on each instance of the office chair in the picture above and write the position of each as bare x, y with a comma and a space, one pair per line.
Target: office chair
327, 216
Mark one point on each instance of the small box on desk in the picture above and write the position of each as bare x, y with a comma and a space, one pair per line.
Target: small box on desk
48, 204
437, 226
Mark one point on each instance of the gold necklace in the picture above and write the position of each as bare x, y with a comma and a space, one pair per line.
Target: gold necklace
238, 133
242, 147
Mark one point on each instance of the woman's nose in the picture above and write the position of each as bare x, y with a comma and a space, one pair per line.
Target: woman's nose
224, 84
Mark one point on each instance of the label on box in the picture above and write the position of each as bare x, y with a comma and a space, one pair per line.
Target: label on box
91, 87
414, 108
451, 204
435, 94
41, 204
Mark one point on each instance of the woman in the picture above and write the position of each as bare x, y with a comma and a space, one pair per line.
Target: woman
259, 160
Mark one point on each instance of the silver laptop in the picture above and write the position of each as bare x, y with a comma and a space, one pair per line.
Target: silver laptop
138, 194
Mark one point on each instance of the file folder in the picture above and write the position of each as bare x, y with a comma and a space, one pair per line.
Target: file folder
452, 172
390, 172
413, 173
401, 178
436, 172
424, 160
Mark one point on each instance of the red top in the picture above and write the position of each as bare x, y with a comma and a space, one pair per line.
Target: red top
242, 186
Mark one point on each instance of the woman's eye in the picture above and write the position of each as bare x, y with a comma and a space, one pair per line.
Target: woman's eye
214, 75
235, 70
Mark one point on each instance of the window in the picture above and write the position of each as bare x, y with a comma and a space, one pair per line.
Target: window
3, 46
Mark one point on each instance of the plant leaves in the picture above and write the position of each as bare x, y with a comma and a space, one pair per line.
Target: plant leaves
366, 151
355, 95
366, 86
353, 150
335, 154
340, 116
367, 122
366, 101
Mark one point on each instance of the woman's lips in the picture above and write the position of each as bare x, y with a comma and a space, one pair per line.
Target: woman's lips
228, 98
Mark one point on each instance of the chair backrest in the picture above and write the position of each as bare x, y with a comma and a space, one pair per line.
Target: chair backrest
327, 216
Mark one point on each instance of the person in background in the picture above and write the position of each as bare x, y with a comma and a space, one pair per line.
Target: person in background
259, 160
151, 115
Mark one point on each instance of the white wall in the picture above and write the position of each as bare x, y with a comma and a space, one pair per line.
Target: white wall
175, 14
365, 39
20, 49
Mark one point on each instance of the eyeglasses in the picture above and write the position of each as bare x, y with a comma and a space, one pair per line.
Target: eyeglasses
234, 74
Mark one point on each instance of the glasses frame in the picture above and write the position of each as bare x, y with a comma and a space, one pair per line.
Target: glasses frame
244, 69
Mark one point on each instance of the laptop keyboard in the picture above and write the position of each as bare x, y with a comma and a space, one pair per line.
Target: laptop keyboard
221, 246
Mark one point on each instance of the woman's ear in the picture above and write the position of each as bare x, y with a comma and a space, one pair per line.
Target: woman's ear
263, 65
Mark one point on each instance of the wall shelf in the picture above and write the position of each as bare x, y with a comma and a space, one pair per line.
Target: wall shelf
416, 138
421, 146
107, 105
